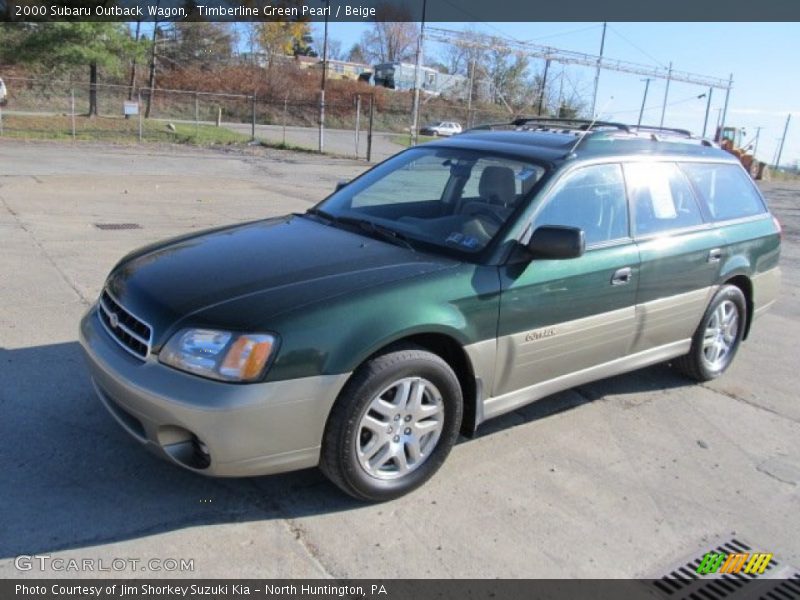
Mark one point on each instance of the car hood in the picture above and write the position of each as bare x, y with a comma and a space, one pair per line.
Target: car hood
259, 270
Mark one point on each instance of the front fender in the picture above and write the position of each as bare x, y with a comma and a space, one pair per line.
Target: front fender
337, 336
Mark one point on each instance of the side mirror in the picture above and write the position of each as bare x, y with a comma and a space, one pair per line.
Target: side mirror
556, 242
340, 184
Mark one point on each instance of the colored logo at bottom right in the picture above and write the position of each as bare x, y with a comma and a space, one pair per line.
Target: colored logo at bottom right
720, 562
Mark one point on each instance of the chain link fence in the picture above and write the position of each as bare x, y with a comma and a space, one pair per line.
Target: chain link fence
371, 123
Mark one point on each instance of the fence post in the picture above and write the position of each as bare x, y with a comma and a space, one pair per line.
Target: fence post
358, 119
139, 112
369, 129
285, 106
72, 111
196, 115
219, 116
253, 124
1, 120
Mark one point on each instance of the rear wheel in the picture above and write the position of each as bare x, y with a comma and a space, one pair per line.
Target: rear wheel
393, 425
718, 336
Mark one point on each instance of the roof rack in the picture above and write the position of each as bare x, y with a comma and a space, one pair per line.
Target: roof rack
551, 122
581, 124
584, 127
659, 129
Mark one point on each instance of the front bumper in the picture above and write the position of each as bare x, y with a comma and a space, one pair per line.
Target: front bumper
216, 428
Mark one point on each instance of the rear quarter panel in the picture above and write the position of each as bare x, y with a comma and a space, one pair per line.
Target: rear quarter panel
753, 250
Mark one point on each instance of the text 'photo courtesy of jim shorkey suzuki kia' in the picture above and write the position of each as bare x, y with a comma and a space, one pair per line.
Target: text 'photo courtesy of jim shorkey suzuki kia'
452, 283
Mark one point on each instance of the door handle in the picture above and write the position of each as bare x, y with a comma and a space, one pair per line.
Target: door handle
622, 276
714, 255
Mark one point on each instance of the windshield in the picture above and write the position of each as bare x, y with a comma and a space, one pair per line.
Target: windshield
449, 197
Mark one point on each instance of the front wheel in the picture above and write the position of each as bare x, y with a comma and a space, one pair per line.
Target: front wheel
718, 336
393, 425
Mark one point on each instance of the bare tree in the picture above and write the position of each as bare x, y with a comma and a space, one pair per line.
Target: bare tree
334, 46
391, 40
507, 73
455, 58
356, 54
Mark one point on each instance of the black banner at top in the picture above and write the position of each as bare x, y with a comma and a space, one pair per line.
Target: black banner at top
399, 10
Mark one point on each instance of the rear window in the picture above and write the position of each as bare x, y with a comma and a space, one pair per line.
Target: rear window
725, 189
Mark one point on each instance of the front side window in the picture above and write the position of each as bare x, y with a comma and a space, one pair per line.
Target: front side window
661, 198
590, 198
726, 190
449, 197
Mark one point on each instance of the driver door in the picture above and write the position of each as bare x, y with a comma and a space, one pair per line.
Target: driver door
562, 316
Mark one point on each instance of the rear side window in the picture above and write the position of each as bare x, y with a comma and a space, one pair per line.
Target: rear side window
726, 190
661, 197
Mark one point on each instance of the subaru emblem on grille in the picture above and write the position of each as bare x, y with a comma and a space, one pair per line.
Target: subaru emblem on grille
113, 320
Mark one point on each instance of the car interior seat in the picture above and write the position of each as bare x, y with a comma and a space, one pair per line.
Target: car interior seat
498, 193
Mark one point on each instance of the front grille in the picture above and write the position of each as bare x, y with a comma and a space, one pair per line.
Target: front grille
130, 332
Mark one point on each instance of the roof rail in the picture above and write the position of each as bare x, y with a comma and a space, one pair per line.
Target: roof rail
586, 126
582, 124
550, 122
489, 126
657, 129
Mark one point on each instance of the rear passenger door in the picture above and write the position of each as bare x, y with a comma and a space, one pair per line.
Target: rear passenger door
680, 254
562, 316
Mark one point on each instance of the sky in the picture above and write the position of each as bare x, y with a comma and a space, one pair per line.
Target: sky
762, 57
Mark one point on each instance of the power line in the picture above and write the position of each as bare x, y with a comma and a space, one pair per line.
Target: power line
563, 33
654, 59
646, 108
475, 39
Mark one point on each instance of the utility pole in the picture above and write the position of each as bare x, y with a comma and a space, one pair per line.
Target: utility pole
644, 99
708, 109
725, 108
322, 84
417, 65
783, 139
469, 92
133, 63
152, 82
666, 95
755, 143
597, 73
544, 86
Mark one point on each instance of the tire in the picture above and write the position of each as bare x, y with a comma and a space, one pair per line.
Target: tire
364, 452
718, 336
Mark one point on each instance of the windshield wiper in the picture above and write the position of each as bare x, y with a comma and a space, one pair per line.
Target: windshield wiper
365, 225
318, 212
386, 233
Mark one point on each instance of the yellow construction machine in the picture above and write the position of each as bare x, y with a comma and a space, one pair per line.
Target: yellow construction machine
731, 139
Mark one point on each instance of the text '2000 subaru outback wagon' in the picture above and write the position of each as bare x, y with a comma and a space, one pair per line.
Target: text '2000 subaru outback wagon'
450, 284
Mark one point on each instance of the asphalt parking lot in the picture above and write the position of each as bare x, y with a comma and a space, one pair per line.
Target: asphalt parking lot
619, 478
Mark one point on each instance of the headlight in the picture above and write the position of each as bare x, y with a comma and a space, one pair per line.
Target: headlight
219, 354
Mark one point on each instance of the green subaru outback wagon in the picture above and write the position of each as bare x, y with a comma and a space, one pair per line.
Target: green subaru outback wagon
450, 284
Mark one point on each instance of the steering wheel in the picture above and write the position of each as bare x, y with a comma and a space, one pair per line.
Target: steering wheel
482, 211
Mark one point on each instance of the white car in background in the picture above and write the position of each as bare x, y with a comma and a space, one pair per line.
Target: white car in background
3, 93
443, 128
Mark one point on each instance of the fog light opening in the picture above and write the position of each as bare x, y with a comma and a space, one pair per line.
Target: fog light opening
202, 455
184, 447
